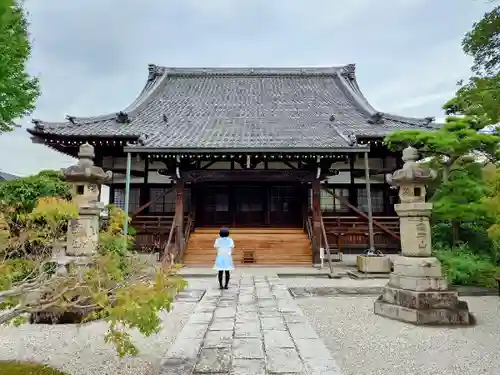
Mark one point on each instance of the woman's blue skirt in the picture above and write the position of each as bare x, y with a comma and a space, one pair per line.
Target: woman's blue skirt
223, 263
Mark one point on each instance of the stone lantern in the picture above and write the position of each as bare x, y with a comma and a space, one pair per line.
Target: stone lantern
417, 291
83, 231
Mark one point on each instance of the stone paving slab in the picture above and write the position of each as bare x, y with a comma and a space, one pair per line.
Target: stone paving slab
190, 295
253, 328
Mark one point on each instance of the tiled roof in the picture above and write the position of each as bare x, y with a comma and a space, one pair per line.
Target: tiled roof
242, 108
7, 176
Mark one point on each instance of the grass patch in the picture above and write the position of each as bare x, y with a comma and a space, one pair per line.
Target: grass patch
26, 368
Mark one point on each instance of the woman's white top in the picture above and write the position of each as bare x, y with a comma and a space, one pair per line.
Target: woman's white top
224, 246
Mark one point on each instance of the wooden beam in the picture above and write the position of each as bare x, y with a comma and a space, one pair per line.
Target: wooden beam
359, 173
362, 214
288, 164
144, 206
209, 164
132, 172
217, 175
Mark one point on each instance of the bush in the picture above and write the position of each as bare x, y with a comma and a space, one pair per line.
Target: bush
23, 368
24, 193
120, 289
462, 267
473, 236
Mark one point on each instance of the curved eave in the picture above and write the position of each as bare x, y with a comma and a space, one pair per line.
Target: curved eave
140, 149
69, 145
46, 136
351, 86
156, 79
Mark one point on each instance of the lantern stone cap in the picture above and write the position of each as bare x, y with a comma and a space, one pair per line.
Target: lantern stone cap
413, 173
85, 170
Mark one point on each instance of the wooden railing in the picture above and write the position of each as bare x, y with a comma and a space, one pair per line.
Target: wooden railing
168, 253
360, 213
353, 232
153, 231
308, 229
171, 252
189, 227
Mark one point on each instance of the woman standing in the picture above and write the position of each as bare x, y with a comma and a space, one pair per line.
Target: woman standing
224, 260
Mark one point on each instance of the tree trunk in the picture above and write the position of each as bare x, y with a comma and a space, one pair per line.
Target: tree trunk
455, 225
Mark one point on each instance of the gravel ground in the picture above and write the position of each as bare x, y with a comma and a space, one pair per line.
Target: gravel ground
364, 343
82, 351
323, 281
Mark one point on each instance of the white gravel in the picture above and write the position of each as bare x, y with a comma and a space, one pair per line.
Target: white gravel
82, 351
367, 344
326, 282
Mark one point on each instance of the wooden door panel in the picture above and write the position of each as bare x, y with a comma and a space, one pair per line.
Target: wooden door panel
285, 205
249, 202
214, 205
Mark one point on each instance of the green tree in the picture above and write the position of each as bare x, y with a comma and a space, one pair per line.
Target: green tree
480, 95
458, 152
450, 146
23, 194
482, 43
492, 207
18, 91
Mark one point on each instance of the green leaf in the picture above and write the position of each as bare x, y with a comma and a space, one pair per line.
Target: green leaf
18, 91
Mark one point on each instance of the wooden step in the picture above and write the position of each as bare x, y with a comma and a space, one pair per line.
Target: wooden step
266, 246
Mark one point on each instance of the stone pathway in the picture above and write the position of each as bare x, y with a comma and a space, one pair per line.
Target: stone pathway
253, 328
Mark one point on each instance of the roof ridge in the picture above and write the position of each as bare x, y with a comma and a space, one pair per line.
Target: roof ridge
254, 71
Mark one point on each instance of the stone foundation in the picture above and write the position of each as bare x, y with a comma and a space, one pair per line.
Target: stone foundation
457, 314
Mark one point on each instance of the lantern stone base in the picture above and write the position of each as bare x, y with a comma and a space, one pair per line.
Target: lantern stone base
457, 314
417, 293
373, 264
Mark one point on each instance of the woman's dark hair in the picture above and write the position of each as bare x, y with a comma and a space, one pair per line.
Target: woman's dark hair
224, 232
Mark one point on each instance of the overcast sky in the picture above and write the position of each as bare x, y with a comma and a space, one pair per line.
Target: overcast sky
91, 56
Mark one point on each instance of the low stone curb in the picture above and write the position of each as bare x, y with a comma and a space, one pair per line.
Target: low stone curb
304, 292
474, 291
363, 276
315, 275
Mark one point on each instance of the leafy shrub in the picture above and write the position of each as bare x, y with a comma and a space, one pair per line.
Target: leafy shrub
462, 267
123, 291
112, 240
474, 236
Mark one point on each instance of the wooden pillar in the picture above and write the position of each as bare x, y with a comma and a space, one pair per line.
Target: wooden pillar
144, 190
267, 204
353, 193
179, 217
316, 216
